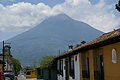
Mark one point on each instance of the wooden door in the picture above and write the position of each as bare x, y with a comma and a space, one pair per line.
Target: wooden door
99, 70
66, 69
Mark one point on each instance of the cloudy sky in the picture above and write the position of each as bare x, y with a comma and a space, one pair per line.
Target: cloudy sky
17, 16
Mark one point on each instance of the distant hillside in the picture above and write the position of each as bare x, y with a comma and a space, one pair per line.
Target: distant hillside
53, 34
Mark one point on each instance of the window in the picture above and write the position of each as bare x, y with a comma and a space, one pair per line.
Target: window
71, 67
85, 66
40, 73
114, 56
28, 73
60, 67
75, 58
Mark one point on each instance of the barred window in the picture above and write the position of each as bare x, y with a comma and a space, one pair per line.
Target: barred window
71, 67
85, 67
60, 67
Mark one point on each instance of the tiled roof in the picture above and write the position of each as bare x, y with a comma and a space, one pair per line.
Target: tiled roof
102, 38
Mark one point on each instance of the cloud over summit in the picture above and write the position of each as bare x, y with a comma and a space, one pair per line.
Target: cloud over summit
23, 15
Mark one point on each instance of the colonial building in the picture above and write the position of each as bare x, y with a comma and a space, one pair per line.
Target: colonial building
1, 64
47, 72
98, 59
68, 66
7, 59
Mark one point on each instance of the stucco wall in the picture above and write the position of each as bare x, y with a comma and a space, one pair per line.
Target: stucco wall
60, 77
76, 68
112, 70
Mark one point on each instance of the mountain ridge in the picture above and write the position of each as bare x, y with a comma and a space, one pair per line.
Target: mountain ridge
50, 36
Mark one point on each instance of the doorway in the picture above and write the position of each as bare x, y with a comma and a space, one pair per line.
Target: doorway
99, 69
66, 69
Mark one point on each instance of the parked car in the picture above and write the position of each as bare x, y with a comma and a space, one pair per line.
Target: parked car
1, 75
30, 74
9, 76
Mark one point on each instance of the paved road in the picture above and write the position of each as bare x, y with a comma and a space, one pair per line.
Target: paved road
32, 79
22, 77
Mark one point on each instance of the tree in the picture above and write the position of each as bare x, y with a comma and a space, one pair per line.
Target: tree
16, 65
82, 42
46, 60
118, 6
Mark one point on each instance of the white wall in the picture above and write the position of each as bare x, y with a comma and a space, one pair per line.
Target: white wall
76, 67
60, 77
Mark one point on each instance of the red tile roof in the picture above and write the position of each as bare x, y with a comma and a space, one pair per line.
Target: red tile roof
102, 38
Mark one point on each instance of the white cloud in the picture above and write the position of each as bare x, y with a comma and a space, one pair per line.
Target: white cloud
22, 15
7, 0
26, 15
101, 16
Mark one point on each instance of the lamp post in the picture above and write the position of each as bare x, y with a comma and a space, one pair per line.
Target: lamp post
3, 55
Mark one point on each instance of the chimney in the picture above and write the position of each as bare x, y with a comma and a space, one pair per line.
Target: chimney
70, 47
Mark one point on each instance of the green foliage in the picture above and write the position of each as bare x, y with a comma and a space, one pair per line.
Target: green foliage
118, 6
77, 45
83, 42
29, 68
16, 65
46, 60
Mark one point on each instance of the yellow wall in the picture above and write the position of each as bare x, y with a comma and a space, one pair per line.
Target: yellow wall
91, 66
80, 67
111, 70
32, 75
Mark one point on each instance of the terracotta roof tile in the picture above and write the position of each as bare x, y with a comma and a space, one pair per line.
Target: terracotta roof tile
101, 38
104, 37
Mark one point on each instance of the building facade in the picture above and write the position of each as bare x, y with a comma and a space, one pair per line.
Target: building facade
7, 59
98, 59
47, 72
68, 67
1, 65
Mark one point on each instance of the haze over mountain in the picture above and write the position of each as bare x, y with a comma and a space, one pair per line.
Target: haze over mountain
50, 36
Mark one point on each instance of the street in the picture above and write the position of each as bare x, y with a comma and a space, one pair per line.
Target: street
22, 77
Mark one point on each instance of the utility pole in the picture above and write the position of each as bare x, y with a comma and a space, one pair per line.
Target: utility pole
3, 55
59, 52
